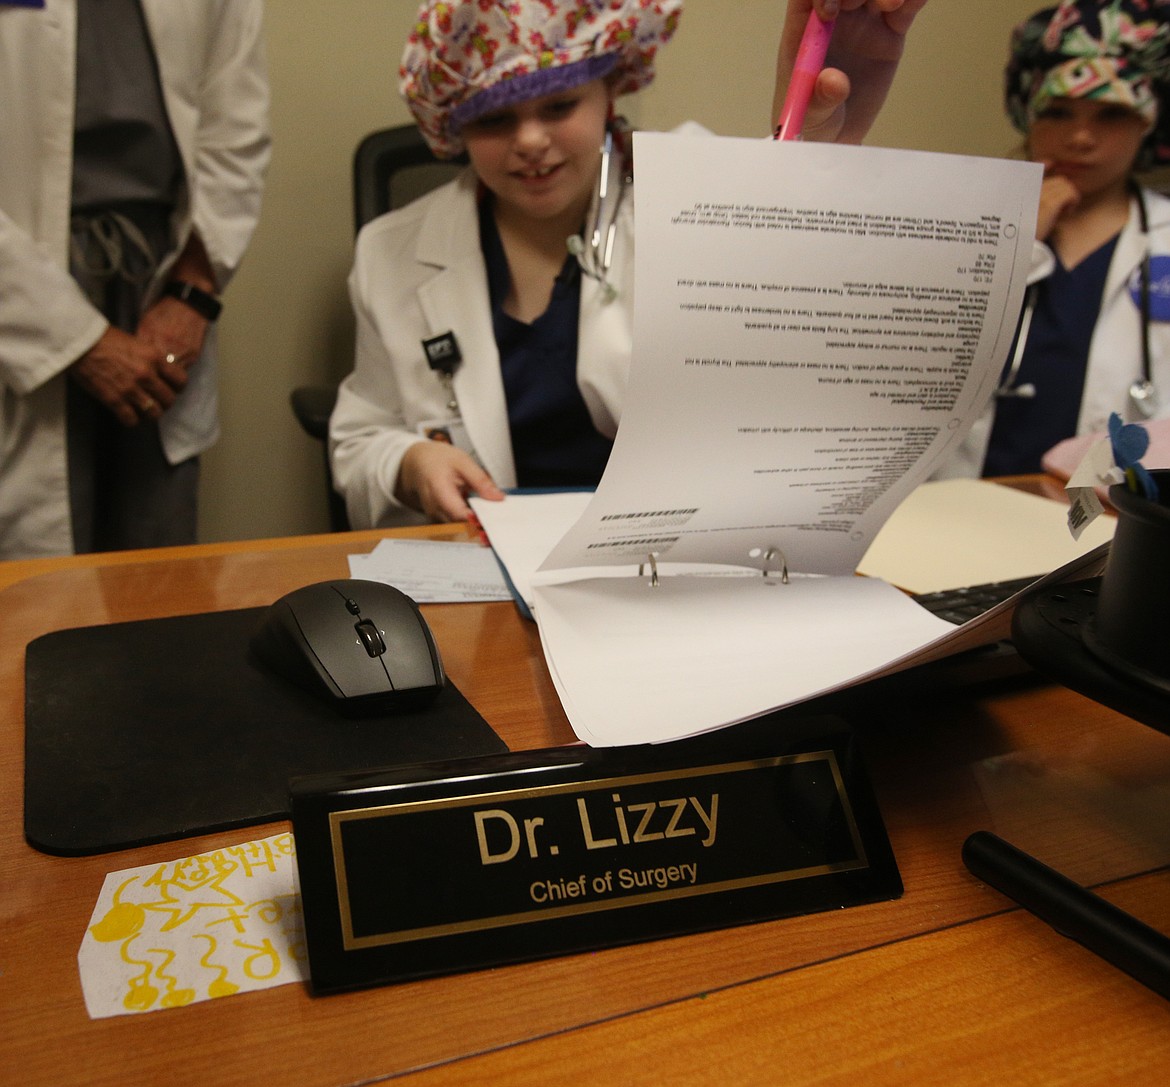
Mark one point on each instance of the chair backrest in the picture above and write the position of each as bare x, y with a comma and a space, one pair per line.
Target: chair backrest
392, 167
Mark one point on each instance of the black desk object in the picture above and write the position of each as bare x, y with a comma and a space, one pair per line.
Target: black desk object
1106, 637
1051, 629
1095, 924
413, 872
166, 728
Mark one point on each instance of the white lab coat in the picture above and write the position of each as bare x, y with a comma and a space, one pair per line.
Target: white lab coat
418, 273
211, 65
1115, 353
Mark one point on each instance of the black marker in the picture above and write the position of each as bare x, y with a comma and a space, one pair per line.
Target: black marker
1095, 924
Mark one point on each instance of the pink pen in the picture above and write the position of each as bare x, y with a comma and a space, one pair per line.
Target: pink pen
810, 59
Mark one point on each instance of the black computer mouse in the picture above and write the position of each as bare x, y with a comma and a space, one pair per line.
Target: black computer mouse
362, 645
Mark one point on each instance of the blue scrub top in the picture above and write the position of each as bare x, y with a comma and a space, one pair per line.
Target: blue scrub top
554, 441
1055, 360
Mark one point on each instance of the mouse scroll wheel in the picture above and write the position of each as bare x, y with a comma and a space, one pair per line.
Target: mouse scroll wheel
370, 638
351, 606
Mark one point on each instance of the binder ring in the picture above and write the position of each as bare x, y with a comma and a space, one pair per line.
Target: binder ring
653, 568
770, 554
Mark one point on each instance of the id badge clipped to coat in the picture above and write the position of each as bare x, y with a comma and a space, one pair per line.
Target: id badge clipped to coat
444, 357
451, 431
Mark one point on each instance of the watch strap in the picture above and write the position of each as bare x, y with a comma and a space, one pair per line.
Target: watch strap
203, 303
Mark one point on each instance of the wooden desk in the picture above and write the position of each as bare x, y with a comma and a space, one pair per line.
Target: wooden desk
948, 984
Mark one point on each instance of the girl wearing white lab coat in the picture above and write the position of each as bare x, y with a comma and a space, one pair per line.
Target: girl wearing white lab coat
511, 84
1087, 85
419, 275
1116, 347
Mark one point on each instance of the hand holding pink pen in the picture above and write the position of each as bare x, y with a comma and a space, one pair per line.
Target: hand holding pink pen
842, 93
810, 59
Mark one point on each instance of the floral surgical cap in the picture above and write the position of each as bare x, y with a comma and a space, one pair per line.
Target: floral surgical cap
466, 58
1108, 50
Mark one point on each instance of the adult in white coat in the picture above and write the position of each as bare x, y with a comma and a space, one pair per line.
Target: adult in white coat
444, 289
1087, 85
211, 75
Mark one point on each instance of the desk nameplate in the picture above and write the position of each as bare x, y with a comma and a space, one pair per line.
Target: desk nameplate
443, 867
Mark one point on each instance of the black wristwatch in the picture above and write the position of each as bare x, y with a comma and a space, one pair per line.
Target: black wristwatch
204, 304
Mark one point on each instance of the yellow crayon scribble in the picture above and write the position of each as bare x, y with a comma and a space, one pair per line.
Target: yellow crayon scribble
220, 986
263, 950
175, 997
236, 920
122, 919
141, 994
269, 910
182, 898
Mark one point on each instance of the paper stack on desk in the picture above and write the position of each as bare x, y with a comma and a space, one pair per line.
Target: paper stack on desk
807, 349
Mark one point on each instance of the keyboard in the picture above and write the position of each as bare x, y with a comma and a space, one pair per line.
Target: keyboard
959, 605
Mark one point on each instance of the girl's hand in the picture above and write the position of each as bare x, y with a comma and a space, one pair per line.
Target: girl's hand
436, 478
1058, 196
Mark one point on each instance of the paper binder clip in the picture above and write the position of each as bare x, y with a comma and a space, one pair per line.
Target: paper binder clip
770, 554
653, 569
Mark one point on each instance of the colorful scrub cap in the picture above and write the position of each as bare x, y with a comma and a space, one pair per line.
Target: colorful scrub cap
1109, 50
466, 58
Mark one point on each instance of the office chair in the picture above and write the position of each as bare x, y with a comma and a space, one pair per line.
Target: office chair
391, 167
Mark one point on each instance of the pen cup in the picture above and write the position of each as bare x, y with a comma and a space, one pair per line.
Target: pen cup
1130, 632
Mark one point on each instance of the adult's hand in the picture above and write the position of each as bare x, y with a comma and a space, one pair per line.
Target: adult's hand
868, 40
436, 479
128, 377
174, 331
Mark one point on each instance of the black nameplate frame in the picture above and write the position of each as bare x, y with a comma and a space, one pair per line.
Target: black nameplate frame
443, 867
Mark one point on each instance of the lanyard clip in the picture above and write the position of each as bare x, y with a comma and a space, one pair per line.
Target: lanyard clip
443, 355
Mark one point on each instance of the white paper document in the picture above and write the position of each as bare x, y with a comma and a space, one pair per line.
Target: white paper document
946, 534
433, 571
635, 664
524, 528
817, 327
528, 527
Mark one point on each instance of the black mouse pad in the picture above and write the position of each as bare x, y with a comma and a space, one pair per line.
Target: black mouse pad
165, 728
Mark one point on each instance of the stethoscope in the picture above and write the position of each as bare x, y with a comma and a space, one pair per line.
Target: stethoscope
1143, 394
595, 256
